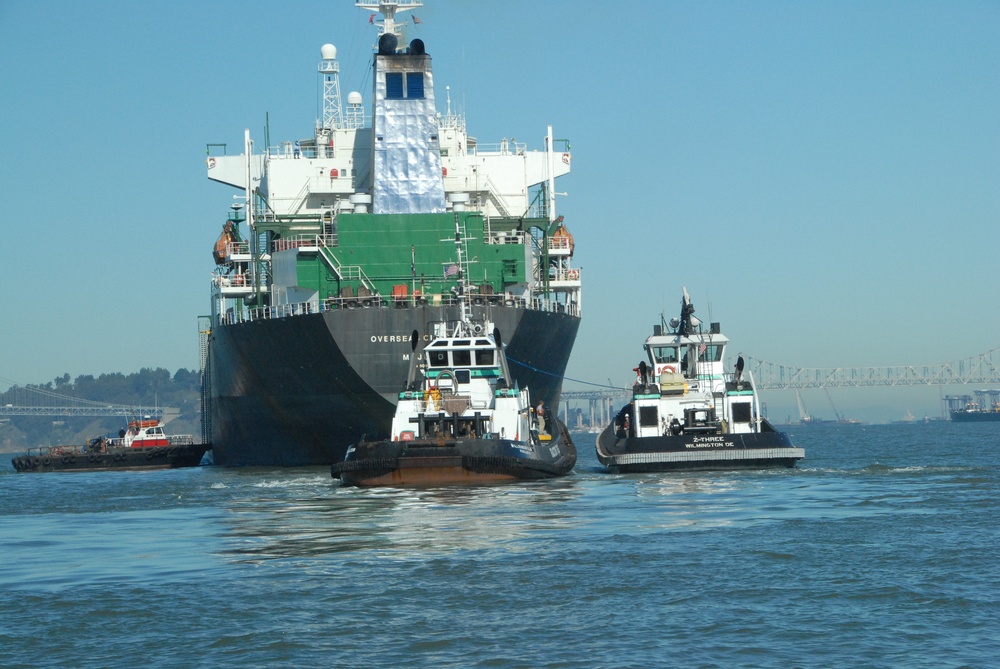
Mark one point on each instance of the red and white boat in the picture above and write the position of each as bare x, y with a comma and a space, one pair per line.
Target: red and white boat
141, 445
143, 434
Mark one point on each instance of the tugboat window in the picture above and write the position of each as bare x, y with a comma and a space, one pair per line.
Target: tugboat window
741, 412
463, 376
665, 353
439, 358
484, 358
712, 353
648, 416
462, 358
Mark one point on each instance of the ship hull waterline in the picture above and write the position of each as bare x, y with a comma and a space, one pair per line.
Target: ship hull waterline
975, 416
296, 391
691, 452
432, 462
122, 459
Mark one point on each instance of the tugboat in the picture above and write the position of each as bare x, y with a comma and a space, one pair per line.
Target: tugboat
688, 413
142, 445
464, 421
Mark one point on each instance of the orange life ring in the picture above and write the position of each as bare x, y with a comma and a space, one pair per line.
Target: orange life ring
565, 158
669, 368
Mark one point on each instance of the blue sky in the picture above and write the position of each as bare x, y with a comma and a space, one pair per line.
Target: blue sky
823, 177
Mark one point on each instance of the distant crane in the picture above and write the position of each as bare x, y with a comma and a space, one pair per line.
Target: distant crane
804, 416
840, 416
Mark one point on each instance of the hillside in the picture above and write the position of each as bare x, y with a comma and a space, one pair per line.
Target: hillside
148, 387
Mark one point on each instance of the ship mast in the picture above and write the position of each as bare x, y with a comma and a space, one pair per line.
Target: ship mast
329, 68
463, 308
549, 149
388, 10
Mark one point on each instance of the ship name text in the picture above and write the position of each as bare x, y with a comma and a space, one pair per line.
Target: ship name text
395, 339
716, 441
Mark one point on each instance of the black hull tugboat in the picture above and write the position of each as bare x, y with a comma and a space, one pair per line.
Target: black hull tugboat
462, 422
688, 413
450, 461
143, 445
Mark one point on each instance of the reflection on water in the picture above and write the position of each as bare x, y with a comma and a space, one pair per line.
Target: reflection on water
283, 516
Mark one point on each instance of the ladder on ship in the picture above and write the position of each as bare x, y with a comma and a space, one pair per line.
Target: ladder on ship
346, 272
204, 332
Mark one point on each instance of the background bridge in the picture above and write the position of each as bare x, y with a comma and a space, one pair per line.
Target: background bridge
35, 401
597, 405
983, 369
582, 409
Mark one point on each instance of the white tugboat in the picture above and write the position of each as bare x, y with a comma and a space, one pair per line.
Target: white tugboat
464, 420
688, 412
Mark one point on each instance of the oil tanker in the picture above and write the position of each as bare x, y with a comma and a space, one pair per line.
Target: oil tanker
341, 244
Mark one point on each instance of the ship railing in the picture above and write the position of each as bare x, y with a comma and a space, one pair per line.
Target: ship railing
510, 237
348, 272
233, 316
56, 451
376, 301
571, 274
505, 147
554, 306
298, 242
237, 248
296, 150
560, 243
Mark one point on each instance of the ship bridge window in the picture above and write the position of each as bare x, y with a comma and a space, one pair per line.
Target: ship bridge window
438, 358
484, 358
393, 86
415, 86
400, 85
664, 353
462, 358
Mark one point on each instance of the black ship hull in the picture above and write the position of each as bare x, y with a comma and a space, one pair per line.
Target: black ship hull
975, 416
151, 457
693, 452
296, 391
426, 462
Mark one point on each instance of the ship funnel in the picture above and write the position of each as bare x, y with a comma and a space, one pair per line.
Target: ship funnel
387, 44
417, 48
